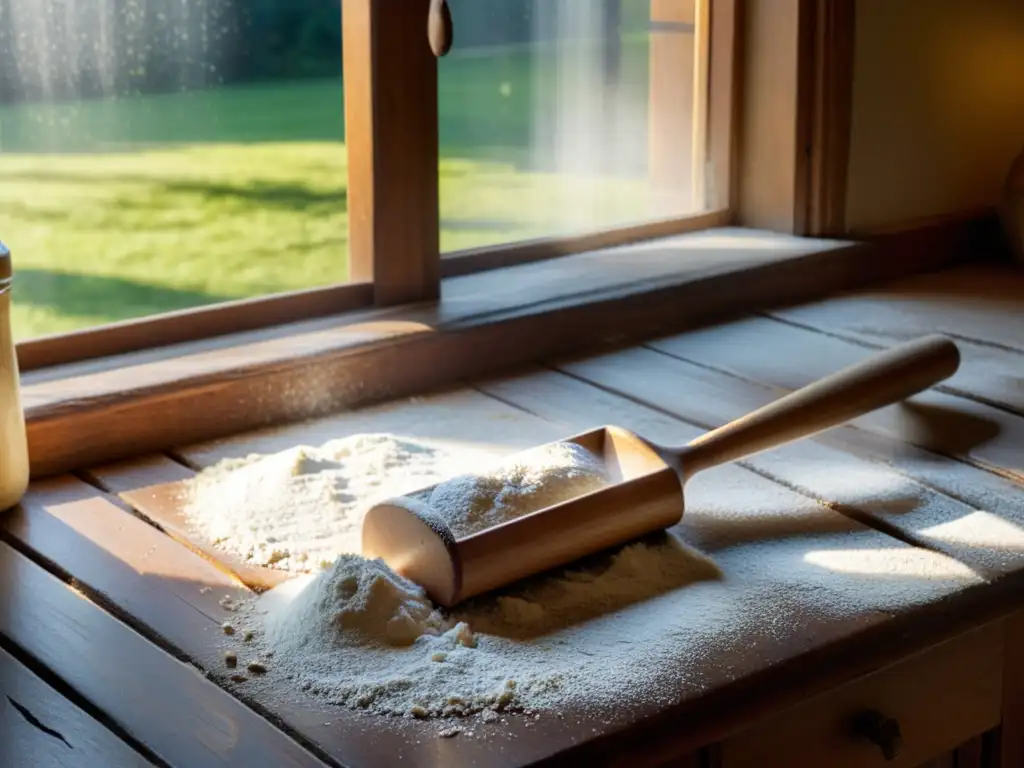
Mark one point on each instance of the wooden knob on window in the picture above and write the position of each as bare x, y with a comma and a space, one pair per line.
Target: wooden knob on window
439, 27
882, 731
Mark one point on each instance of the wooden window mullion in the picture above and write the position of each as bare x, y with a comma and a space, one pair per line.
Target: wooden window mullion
671, 117
722, 103
391, 132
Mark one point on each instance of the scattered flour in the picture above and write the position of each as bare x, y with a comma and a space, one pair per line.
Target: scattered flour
638, 625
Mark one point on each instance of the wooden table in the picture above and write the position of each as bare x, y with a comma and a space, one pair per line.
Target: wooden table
109, 623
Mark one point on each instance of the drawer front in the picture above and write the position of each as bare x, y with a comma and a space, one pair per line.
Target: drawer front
937, 700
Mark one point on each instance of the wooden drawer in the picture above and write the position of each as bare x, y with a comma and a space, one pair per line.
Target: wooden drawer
940, 699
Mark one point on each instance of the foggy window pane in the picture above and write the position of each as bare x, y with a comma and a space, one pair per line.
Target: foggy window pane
547, 109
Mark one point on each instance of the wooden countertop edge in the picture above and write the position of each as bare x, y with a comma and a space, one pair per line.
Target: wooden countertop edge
81, 420
679, 731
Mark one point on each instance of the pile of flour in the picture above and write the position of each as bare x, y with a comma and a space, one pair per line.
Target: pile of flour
524, 483
359, 636
299, 509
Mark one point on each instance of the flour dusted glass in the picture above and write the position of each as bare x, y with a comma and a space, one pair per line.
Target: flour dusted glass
13, 442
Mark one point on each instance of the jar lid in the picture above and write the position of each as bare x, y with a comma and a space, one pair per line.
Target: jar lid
5, 263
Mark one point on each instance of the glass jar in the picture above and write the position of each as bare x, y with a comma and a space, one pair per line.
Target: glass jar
13, 441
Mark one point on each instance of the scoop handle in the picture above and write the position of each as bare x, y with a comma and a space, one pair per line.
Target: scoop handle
880, 380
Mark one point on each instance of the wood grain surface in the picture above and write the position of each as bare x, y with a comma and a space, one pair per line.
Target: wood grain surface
981, 307
121, 558
156, 487
874, 539
766, 352
190, 722
40, 727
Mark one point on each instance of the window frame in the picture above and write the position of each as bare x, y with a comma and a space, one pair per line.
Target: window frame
396, 182
391, 116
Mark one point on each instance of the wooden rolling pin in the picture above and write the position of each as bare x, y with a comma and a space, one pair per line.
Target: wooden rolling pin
647, 481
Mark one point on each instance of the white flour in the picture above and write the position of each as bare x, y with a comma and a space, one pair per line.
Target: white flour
356, 602
634, 627
359, 636
529, 481
299, 509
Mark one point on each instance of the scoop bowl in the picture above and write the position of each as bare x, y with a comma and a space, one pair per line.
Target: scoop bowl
645, 493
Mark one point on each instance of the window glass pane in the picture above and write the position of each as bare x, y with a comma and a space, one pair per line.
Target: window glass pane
163, 154
565, 116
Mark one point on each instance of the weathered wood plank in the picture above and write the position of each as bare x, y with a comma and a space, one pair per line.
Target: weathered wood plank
122, 558
457, 419
787, 358
166, 705
39, 727
486, 323
986, 527
152, 486
979, 303
982, 307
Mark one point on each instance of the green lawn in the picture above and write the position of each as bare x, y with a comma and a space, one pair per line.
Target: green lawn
121, 208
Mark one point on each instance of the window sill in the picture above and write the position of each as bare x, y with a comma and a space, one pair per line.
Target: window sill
112, 408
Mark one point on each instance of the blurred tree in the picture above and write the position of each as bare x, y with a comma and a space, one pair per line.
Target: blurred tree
292, 38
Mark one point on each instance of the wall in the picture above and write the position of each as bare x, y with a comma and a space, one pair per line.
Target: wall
938, 107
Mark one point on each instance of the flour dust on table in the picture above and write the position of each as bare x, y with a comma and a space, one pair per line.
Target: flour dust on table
635, 626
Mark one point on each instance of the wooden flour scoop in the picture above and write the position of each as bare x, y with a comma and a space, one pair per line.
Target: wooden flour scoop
647, 480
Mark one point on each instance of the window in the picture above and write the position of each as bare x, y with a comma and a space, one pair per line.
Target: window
167, 155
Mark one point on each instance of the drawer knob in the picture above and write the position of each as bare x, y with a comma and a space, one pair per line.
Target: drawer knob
882, 731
